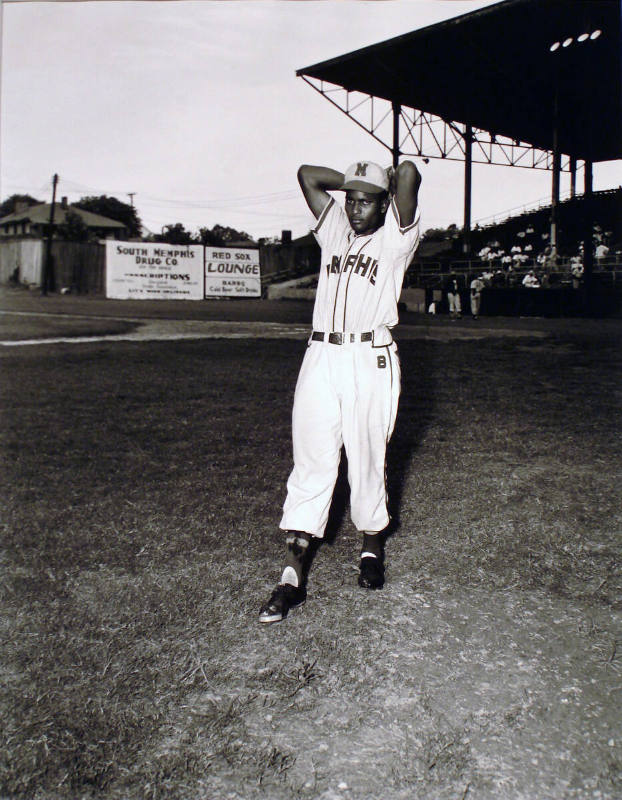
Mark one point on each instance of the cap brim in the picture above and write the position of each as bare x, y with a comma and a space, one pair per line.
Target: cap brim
362, 186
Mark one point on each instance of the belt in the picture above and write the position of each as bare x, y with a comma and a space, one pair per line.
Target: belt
341, 338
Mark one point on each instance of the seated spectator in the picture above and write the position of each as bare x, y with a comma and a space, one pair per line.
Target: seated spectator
530, 281
498, 279
487, 277
513, 278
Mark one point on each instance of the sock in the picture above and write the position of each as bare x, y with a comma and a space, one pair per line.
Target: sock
372, 545
297, 545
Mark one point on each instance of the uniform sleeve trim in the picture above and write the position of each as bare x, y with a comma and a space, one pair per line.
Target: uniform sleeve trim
322, 217
396, 214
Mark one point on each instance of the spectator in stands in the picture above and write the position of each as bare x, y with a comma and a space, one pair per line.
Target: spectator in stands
551, 259
576, 271
477, 286
530, 281
452, 291
515, 279
601, 253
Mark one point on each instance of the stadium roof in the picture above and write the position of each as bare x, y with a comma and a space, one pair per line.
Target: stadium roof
494, 69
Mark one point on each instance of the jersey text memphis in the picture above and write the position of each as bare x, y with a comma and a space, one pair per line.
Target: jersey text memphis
361, 275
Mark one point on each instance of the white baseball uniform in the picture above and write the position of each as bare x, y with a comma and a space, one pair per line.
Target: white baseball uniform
347, 394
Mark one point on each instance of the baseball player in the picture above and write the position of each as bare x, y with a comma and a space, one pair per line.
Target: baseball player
453, 297
477, 287
349, 382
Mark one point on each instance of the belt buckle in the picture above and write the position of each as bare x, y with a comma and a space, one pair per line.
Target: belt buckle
335, 338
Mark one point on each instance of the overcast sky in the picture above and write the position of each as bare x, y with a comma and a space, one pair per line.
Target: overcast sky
196, 109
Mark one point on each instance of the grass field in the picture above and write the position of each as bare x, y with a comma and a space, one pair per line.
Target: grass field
141, 494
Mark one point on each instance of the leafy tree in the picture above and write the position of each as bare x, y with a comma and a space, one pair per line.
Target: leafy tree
221, 236
74, 228
113, 209
440, 234
175, 234
8, 206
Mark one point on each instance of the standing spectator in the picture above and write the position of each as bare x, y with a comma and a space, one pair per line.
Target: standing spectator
453, 297
576, 271
477, 286
551, 259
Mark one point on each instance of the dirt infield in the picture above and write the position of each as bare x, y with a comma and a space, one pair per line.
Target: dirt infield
143, 480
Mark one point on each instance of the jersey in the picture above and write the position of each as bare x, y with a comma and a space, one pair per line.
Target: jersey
361, 276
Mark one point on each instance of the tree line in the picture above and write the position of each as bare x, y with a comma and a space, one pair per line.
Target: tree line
74, 229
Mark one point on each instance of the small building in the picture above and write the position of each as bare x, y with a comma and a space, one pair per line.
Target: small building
32, 222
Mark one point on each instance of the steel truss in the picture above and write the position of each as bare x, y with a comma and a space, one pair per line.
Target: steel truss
428, 136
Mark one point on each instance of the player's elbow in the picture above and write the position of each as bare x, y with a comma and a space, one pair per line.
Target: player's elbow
304, 175
408, 174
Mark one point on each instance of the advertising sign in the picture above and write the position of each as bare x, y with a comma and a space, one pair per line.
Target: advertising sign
230, 272
153, 271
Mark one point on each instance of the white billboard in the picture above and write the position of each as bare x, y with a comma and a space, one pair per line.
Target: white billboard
153, 271
230, 272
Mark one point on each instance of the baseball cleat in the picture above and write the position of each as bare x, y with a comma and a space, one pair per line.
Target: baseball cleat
371, 573
284, 597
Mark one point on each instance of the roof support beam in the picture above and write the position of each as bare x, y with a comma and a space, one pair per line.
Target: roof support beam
468, 164
422, 134
396, 108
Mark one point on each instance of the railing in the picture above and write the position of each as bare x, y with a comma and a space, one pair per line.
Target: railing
432, 274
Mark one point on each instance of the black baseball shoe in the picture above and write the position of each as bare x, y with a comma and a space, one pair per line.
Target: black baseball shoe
371, 573
284, 597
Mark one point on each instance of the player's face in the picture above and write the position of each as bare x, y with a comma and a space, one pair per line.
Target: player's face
365, 211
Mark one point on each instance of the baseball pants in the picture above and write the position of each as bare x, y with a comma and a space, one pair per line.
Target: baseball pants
345, 395
455, 306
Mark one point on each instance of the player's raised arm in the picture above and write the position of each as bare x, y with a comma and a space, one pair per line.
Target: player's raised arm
407, 180
315, 183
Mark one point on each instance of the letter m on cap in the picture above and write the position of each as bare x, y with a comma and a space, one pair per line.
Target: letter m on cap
361, 168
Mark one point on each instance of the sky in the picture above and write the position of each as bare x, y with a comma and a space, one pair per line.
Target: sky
192, 111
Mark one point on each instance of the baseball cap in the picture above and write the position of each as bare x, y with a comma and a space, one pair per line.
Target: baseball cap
365, 176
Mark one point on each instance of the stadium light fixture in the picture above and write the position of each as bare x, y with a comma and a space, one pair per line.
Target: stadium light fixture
595, 34
583, 37
554, 47
567, 42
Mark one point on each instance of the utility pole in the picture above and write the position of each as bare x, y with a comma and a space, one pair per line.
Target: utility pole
48, 275
131, 196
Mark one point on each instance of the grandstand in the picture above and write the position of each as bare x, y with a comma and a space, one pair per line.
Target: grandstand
528, 235
556, 105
